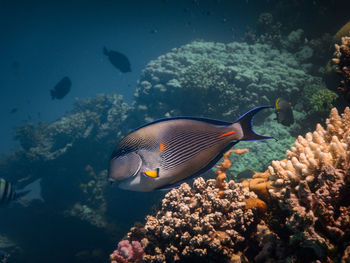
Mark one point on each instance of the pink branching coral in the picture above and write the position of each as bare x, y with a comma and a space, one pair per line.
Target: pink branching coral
128, 252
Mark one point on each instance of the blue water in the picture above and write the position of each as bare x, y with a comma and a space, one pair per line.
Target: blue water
53, 39
43, 41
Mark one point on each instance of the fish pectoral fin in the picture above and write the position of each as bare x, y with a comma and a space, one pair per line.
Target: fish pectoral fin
152, 173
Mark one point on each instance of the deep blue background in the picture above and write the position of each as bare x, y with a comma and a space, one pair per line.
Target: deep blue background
52, 39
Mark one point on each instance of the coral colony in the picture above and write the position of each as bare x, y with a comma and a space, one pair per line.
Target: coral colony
342, 60
298, 209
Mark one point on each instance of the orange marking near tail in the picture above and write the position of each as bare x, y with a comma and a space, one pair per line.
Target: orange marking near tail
161, 147
226, 134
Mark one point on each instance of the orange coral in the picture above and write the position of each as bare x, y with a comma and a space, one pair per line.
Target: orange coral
255, 203
259, 184
223, 166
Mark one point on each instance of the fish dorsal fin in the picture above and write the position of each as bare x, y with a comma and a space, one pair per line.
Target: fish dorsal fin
207, 120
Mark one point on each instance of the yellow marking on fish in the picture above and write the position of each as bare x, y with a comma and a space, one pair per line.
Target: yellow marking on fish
226, 134
277, 101
161, 147
151, 173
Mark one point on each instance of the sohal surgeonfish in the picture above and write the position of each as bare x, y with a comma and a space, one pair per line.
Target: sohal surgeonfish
164, 153
119, 60
284, 112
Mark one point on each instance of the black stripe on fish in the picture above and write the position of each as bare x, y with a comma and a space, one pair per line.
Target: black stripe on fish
6, 192
186, 149
130, 144
187, 141
201, 171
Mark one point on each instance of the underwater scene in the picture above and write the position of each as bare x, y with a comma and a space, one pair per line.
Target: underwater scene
175, 131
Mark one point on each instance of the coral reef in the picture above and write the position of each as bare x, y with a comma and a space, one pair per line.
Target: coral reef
322, 100
207, 79
262, 153
342, 32
195, 223
128, 252
91, 118
342, 61
317, 149
222, 168
306, 218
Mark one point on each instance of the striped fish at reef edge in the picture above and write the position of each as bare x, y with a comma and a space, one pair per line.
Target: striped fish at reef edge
7, 192
164, 153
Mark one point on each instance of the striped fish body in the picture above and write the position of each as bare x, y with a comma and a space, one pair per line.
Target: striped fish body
166, 152
7, 192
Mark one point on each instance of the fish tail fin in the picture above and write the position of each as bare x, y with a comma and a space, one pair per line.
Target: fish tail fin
246, 122
105, 51
20, 194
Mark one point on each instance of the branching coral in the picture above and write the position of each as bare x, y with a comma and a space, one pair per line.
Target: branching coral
322, 100
342, 60
196, 224
306, 218
310, 153
128, 252
222, 168
310, 187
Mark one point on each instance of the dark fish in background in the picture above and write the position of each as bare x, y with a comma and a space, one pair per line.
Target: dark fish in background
164, 153
14, 110
61, 89
247, 173
153, 31
119, 60
284, 112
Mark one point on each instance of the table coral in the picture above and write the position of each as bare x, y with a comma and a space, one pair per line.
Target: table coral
212, 77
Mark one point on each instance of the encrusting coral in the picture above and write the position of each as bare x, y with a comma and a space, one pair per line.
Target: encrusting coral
342, 60
307, 216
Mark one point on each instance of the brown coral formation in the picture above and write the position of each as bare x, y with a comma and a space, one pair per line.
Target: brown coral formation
306, 219
196, 224
311, 188
314, 151
342, 60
